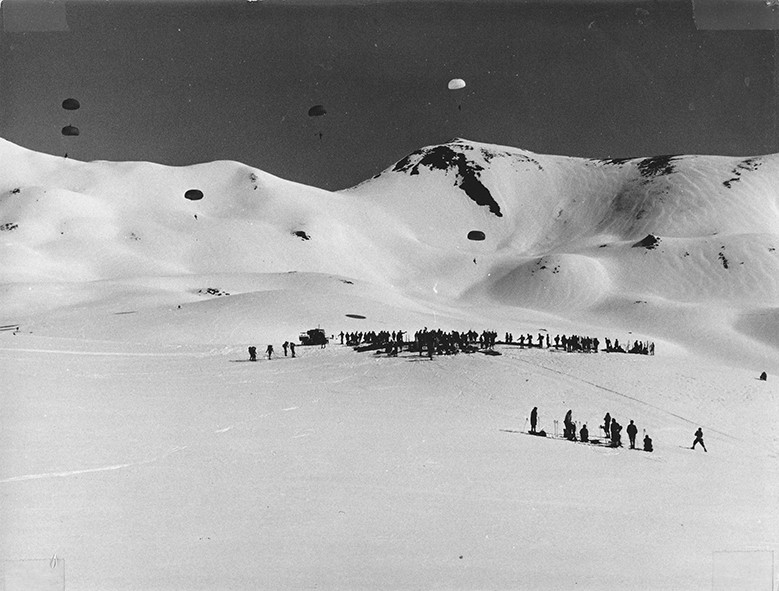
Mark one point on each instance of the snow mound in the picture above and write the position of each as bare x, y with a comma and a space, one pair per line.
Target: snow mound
561, 281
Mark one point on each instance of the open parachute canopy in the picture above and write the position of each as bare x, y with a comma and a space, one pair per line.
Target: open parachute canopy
456, 84
316, 111
70, 130
476, 235
71, 104
194, 194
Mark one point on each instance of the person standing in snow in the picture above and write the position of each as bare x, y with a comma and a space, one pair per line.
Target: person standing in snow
616, 439
252, 353
570, 431
533, 419
269, 351
607, 424
632, 431
292, 349
699, 439
285, 346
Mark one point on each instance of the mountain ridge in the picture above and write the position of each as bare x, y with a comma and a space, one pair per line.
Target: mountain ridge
464, 226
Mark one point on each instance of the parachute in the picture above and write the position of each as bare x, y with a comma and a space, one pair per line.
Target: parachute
71, 104
476, 235
194, 194
456, 84
70, 130
316, 111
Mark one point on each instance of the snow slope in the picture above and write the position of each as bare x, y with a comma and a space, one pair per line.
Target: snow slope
679, 243
137, 445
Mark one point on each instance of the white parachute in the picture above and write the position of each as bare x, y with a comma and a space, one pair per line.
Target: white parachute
456, 84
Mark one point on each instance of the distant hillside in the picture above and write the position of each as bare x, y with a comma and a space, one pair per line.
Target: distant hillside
665, 244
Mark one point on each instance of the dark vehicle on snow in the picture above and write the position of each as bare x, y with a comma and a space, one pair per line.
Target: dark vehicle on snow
315, 336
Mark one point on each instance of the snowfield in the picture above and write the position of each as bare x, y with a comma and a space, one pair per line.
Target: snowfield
139, 449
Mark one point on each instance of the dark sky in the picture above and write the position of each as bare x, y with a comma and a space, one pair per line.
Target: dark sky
187, 82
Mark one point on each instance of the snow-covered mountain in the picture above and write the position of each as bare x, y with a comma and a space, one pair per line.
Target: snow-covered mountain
668, 245
137, 446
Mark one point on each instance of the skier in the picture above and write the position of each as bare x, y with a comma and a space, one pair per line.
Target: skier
252, 353
269, 351
632, 431
285, 346
569, 431
292, 349
584, 434
607, 424
533, 419
647, 443
616, 440
699, 439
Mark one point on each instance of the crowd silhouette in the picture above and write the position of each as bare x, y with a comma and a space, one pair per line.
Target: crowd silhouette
440, 342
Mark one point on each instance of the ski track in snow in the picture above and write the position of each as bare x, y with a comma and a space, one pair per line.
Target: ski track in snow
90, 470
103, 353
628, 396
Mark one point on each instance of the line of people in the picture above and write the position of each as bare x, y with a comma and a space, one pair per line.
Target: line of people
611, 428
579, 344
287, 346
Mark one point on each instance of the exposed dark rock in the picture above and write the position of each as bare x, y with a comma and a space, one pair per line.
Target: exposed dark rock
615, 161
212, 291
446, 158
657, 166
748, 165
650, 242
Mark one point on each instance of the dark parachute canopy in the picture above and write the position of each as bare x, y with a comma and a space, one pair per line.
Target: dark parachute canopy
476, 235
71, 104
70, 130
316, 111
194, 194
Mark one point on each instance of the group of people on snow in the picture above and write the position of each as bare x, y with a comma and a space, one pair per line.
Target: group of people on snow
611, 428
287, 346
441, 342
579, 344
